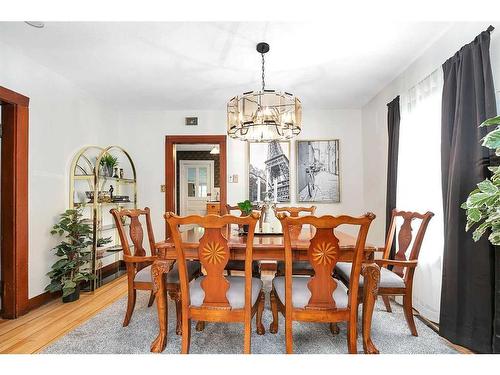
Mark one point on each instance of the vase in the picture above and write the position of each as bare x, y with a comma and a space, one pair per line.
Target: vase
106, 171
75, 296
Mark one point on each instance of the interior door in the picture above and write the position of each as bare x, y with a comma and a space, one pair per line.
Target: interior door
197, 183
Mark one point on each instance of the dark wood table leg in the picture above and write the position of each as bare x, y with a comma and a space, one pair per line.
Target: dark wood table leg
371, 275
158, 269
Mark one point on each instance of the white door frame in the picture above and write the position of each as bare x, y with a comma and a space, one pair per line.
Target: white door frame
182, 177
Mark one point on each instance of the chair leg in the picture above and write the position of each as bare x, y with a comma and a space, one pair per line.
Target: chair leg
352, 332
258, 317
186, 336
130, 305
151, 299
288, 336
247, 340
352, 338
200, 326
371, 279
176, 296
408, 310
387, 303
273, 327
334, 329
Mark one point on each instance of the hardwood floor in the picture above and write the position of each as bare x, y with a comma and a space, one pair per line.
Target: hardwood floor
37, 329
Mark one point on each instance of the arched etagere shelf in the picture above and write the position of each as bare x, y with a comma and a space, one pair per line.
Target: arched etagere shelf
96, 189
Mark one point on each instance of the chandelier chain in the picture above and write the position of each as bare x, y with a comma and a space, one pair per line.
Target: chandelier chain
263, 74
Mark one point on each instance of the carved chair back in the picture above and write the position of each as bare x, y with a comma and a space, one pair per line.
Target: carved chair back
213, 253
230, 208
323, 254
136, 236
405, 238
295, 211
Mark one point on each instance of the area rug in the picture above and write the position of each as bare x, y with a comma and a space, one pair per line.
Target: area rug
104, 334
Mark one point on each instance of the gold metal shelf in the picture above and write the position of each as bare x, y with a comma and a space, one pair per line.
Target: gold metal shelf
120, 180
87, 175
83, 177
109, 227
90, 204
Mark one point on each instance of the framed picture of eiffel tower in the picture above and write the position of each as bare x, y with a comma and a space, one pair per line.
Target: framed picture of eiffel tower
269, 172
318, 177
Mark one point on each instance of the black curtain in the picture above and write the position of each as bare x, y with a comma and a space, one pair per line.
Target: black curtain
393, 119
467, 296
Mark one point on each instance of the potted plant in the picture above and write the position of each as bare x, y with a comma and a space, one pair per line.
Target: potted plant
103, 241
246, 209
108, 163
483, 203
73, 252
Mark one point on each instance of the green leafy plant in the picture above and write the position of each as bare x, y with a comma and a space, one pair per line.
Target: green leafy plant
109, 161
483, 204
73, 253
245, 207
103, 241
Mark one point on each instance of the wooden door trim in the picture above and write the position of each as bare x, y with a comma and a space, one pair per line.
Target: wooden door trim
13, 97
170, 142
14, 197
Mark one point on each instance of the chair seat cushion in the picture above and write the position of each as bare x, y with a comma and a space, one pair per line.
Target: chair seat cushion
301, 293
388, 279
235, 295
144, 275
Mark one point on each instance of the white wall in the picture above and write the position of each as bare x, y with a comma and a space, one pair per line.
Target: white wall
143, 135
374, 113
62, 120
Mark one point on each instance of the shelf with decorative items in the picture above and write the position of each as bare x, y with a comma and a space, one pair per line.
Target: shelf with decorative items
102, 179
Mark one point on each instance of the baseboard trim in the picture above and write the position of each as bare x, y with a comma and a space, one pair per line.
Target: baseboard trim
42, 299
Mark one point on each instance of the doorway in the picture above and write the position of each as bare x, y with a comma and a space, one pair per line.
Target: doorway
14, 204
195, 168
196, 186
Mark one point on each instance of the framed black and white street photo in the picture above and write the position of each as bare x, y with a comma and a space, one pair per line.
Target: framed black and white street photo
318, 177
269, 172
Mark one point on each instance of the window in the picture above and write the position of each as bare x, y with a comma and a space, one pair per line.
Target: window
419, 184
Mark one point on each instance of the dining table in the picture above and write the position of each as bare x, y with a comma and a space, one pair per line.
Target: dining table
266, 247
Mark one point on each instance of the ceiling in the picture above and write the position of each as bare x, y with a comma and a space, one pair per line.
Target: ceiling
182, 65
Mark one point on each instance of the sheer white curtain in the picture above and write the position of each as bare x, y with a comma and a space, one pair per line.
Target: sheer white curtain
419, 184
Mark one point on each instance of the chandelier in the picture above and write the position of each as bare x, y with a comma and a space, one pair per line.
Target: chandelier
265, 115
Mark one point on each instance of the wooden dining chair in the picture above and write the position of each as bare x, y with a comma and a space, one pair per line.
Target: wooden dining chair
138, 263
397, 281
295, 211
320, 298
239, 265
299, 267
214, 297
